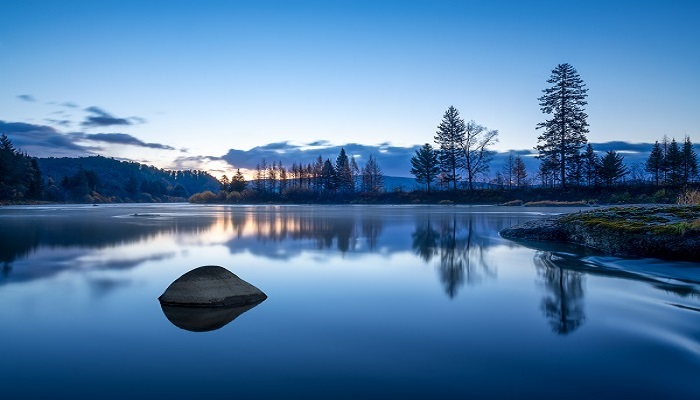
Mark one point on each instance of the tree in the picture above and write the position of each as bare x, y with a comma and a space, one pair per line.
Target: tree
689, 161
450, 138
509, 169
372, 177
224, 184
590, 165
655, 163
345, 182
355, 172
519, 173
565, 132
329, 177
425, 165
238, 183
611, 168
475, 145
674, 164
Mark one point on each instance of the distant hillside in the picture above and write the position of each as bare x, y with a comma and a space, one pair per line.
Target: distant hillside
114, 180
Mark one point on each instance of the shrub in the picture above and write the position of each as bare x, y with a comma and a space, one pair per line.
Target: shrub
203, 198
689, 197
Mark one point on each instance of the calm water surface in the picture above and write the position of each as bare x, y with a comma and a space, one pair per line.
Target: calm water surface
364, 302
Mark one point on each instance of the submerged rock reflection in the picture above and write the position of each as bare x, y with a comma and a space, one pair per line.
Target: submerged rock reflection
203, 319
563, 303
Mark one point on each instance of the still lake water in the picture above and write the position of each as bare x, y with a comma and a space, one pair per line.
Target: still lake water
364, 302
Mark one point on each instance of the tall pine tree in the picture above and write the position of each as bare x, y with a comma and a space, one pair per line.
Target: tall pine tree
655, 163
689, 161
565, 132
450, 137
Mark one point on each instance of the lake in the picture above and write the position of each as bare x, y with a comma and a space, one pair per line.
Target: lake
363, 302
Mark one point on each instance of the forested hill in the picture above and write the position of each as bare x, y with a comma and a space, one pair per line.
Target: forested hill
102, 179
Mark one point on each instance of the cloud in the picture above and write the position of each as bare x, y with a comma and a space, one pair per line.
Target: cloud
61, 122
26, 97
122, 138
100, 118
46, 141
69, 104
43, 141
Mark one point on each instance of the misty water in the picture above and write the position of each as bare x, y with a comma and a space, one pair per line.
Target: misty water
363, 302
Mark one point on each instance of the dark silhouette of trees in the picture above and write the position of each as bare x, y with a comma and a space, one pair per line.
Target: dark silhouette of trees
329, 177
519, 172
565, 132
425, 165
20, 176
345, 179
475, 144
611, 168
591, 161
655, 163
450, 138
674, 160
689, 161
372, 177
238, 182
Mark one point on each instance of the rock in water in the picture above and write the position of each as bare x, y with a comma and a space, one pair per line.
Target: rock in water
210, 286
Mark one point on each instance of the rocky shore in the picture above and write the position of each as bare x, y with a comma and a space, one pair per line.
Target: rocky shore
668, 232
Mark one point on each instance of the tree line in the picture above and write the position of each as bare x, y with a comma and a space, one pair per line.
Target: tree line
321, 180
93, 179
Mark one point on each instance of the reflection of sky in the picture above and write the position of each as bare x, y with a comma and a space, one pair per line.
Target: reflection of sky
363, 318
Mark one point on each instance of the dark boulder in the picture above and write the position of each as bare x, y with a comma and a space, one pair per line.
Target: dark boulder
210, 286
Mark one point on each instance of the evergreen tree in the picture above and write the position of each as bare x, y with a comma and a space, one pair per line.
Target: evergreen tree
450, 138
224, 184
565, 133
590, 162
35, 189
689, 161
519, 172
475, 144
611, 168
329, 177
674, 164
655, 163
345, 182
238, 183
425, 165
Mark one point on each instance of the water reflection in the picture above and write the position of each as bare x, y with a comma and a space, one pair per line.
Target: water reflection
563, 303
459, 245
203, 319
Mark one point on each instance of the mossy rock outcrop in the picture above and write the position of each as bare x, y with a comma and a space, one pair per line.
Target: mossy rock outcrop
668, 232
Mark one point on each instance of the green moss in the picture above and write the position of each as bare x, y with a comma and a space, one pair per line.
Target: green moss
660, 220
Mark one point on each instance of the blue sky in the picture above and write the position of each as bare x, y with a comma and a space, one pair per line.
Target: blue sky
181, 83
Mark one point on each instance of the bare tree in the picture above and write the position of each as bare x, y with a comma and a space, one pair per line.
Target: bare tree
477, 140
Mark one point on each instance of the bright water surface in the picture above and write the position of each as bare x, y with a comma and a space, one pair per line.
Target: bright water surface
364, 302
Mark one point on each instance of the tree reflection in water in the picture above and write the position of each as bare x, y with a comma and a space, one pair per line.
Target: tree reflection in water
563, 304
460, 245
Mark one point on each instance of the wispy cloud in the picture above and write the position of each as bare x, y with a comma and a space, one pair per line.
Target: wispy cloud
101, 118
122, 138
26, 97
